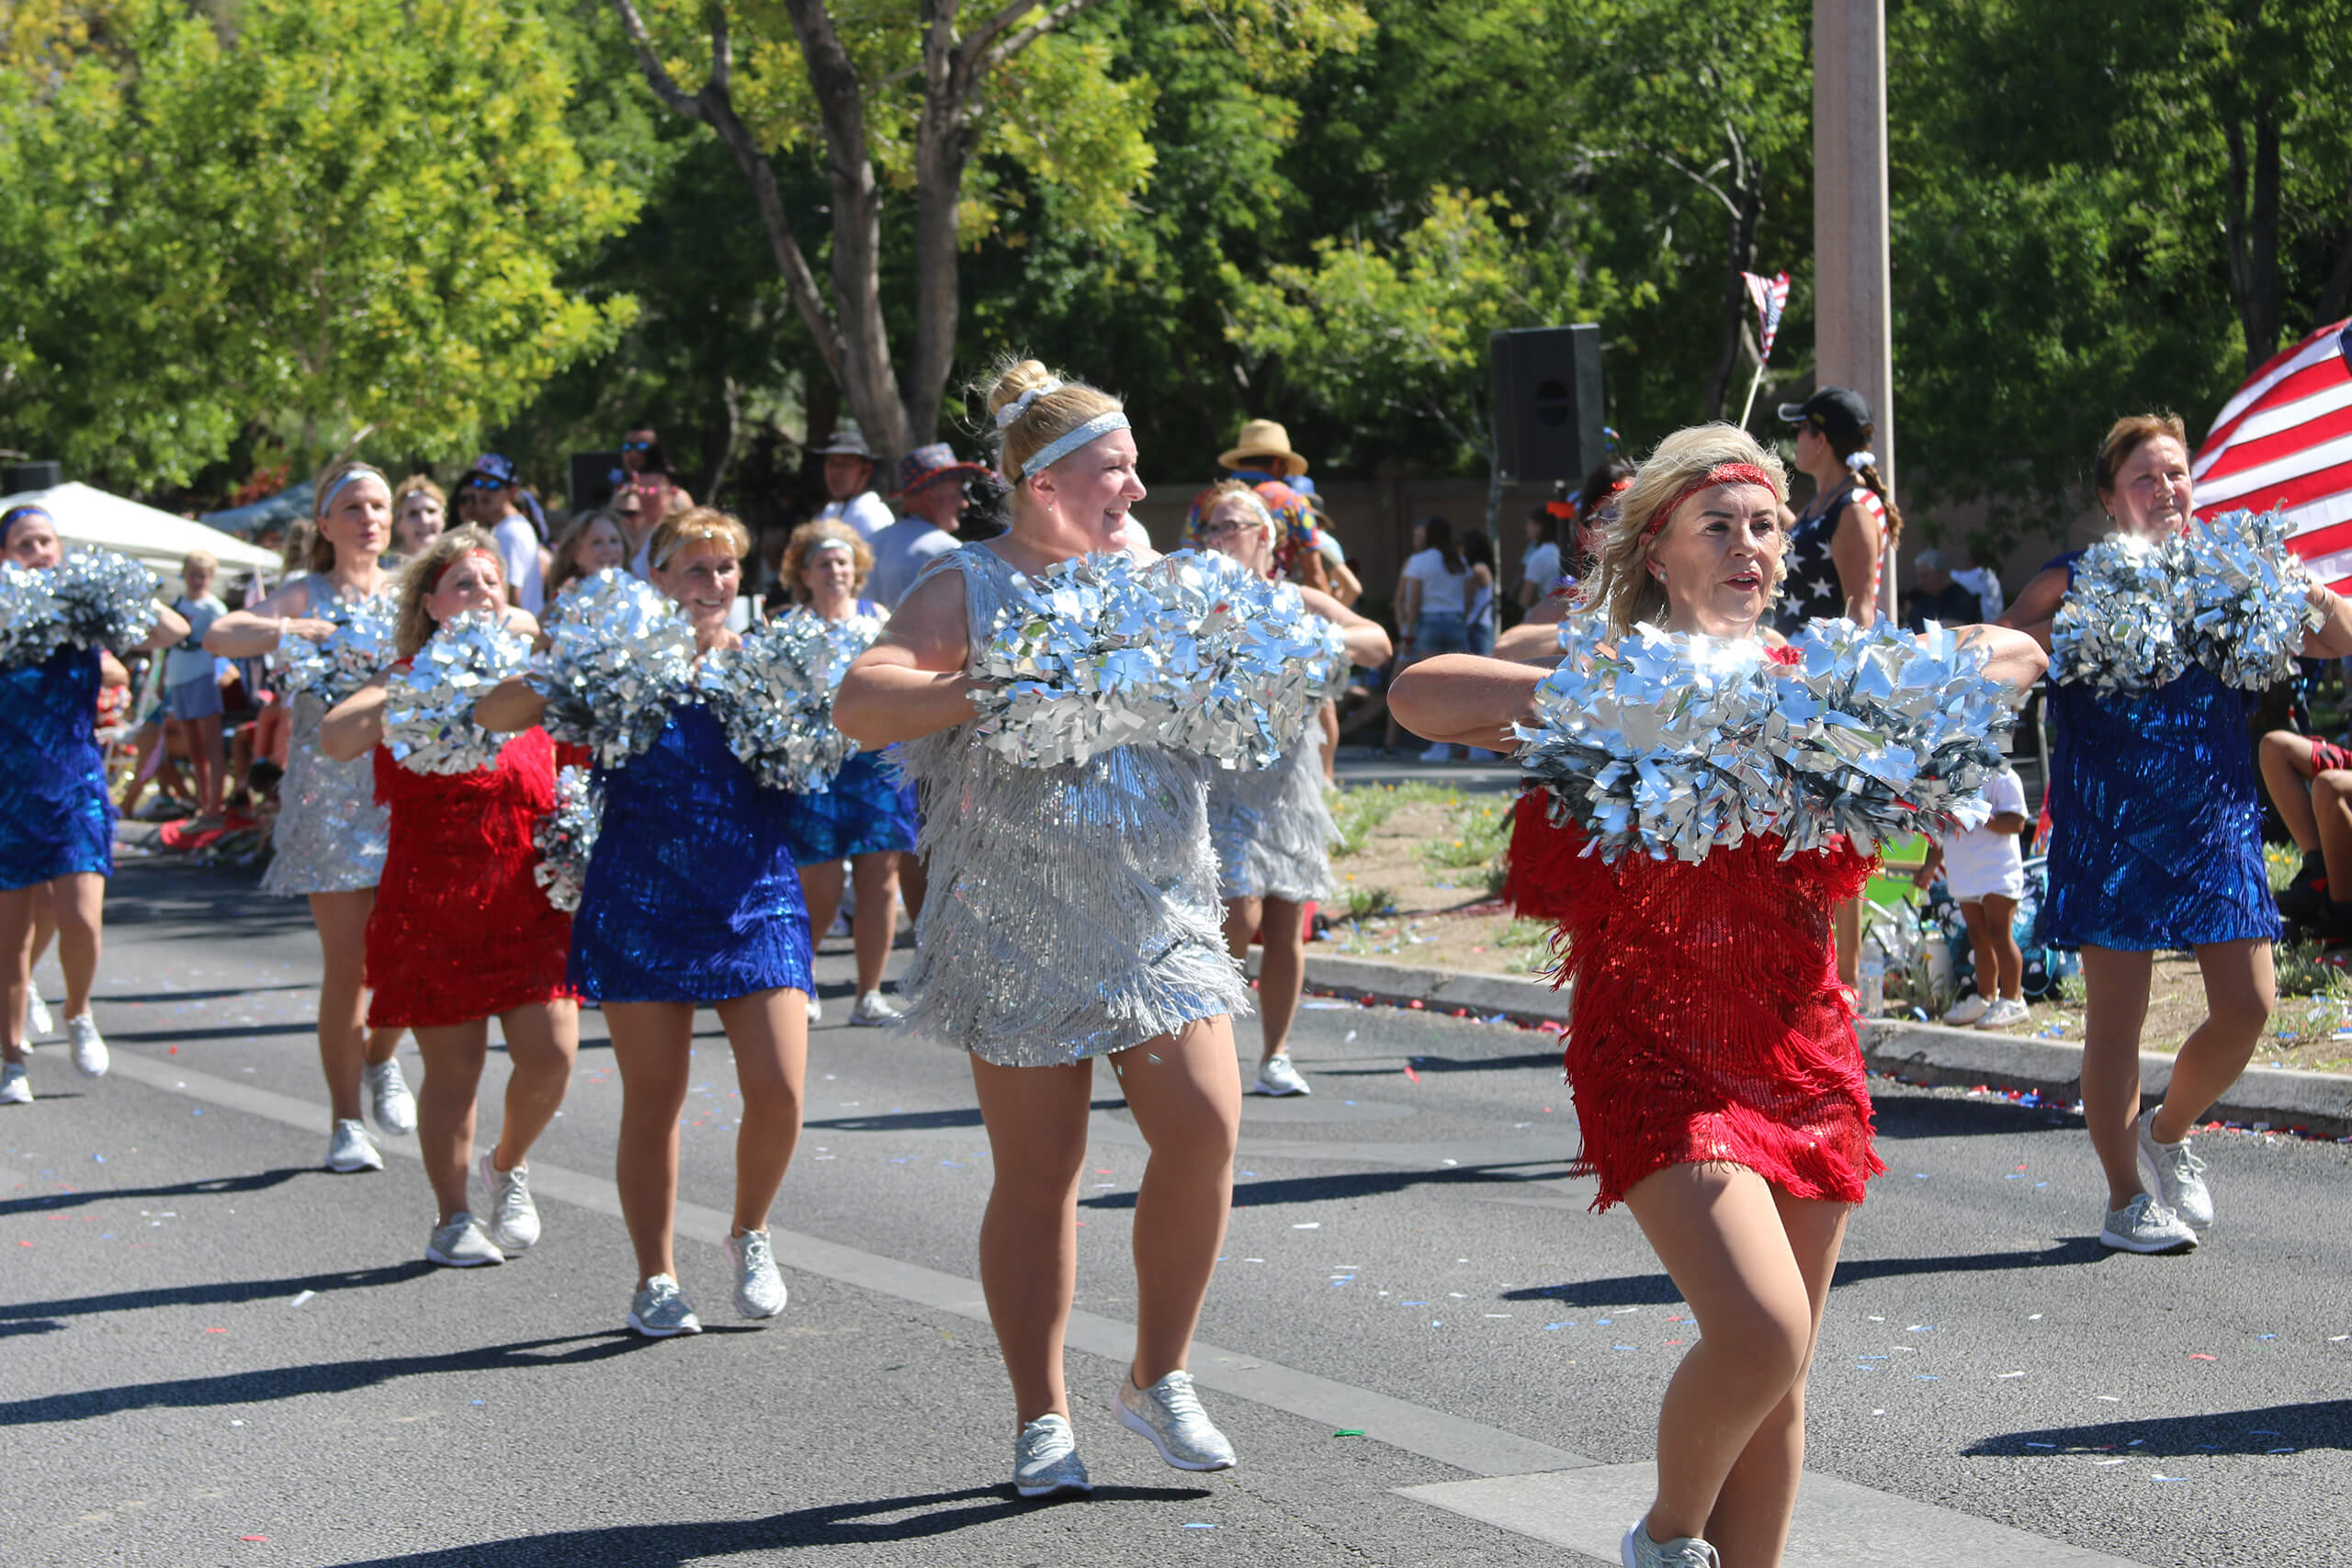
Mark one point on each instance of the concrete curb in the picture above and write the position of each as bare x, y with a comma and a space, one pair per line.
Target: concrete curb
2266, 1098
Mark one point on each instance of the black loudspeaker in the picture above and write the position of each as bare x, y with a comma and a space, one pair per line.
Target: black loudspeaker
595, 476
1548, 402
18, 477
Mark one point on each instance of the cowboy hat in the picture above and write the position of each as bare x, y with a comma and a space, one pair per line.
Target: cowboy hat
1262, 438
925, 464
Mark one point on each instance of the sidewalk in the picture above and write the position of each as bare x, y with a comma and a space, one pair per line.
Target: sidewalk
2265, 1099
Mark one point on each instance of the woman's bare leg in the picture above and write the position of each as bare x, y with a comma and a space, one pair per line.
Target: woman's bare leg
17, 953
344, 1042
2240, 993
1185, 1092
2000, 915
78, 905
542, 1042
1282, 973
876, 877
651, 1042
2115, 1006
2286, 760
453, 1055
821, 889
1036, 1123
769, 1032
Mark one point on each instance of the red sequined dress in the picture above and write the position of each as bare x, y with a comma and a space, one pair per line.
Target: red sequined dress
1708, 1022
461, 928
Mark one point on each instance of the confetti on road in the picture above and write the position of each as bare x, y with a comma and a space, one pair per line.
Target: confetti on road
302, 1297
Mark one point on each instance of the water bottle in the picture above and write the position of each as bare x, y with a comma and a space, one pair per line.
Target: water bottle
1870, 993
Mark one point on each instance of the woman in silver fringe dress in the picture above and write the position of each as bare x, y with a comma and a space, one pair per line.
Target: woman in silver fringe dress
1072, 914
1271, 826
331, 835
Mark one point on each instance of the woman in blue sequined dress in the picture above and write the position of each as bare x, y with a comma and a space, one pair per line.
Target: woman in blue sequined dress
56, 819
692, 901
868, 816
1071, 914
2156, 844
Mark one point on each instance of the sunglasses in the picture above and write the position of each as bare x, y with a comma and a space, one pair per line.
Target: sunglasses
483, 482
637, 445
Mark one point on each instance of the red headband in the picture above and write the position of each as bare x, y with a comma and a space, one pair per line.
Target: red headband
435, 586
1721, 474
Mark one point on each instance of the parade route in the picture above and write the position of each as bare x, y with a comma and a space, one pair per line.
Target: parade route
218, 1341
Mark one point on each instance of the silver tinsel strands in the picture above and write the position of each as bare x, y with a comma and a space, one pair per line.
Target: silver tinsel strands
2247, 609
360, 645
31, 627
105, 600
774, 695
621, 655
428, 711
1674, 744
566, 837
2118, 628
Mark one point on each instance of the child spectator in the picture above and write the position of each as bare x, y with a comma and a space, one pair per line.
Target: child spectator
1984, 869
2311, 790
192, 685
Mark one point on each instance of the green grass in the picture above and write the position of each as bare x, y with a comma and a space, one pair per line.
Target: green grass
1359, 811
2281, 860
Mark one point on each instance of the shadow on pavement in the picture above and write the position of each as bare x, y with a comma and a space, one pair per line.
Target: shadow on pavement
927, 1515
326, 1377
2274, 1429
1935, 1116
210, 1187
223, 1292
1443, 1064
125, 999
1364, 1184
1657, 1290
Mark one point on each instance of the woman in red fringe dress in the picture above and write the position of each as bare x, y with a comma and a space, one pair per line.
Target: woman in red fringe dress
462, 932
1712, 1050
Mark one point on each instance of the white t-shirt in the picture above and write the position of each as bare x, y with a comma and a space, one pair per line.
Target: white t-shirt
1981, 581
868, 513
1982, 861
1442, 592
1541, 566
900, 552
518, 553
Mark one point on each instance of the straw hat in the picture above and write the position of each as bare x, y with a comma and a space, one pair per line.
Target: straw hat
1263, 438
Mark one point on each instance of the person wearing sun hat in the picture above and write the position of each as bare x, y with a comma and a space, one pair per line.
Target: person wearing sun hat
929, 490
849, 481
1263, 452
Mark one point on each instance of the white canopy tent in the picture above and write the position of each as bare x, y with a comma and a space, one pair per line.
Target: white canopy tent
158, 540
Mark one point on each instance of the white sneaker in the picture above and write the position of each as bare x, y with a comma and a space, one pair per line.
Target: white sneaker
2175, 1176
2005, 1013
513, 1218
350, 1150
1046, 1462
2146, 1226
1441, 752
38, 1025
816, 1009
661, 1311
460, 1244
759, 1287
1170, 1414
1638, 1551
389, 1099
872, 1011
89, 1046
1966, 1010
1277, 1077
15, 1087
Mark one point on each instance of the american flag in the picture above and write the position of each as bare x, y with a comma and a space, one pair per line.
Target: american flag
1771, 297
2285, 441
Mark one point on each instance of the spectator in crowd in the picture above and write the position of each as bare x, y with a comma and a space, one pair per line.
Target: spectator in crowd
1982, 577
489, 497
1479, 616
1935, 596
643, 454
1596, 504
1837, 543
849, 480
420, 510
1539, 564
930, 493
1261, 452
2310, 783
1433, 605
637, 522
592, 544
192, 685
1983, 868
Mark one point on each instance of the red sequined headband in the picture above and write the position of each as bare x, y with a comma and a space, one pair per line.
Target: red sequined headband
435, 586
1721, 474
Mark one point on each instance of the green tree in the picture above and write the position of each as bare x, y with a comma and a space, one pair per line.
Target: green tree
336, 212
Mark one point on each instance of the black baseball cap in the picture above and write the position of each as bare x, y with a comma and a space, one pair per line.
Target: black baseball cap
1838, 412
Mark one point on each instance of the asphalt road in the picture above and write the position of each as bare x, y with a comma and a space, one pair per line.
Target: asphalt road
224, 1355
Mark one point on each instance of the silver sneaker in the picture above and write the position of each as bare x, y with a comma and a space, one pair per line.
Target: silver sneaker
816, 1009
350, 1150
1638, 1551
2144, 1224
1277, 1077
2175, 1176
38, 1025
389, 1099
15, 1087
1046, 1462
513, 1218
759, 1288
872, 1011
1170, 1414
660, 1310
89, 1046
2007, 1013
459, 1243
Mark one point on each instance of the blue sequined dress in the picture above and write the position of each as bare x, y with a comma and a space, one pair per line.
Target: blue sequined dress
2155, 828
691, 894
867, 812
55, 816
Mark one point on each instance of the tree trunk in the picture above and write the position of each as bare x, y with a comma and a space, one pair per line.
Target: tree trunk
2251, 227
1742, 228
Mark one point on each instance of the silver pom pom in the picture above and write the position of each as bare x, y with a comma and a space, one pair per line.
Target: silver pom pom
566, 837
621, 655
2117, 628
2248, 610
428, 710
103, 599
31, 625
773, 695
348, 657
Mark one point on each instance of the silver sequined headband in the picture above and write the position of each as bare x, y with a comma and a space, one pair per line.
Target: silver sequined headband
1069, 441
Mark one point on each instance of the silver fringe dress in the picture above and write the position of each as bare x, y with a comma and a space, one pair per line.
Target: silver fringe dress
331, 835
1073, 911
1271, 827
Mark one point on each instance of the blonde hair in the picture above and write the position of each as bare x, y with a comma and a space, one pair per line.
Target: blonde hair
414, 627
418, 484
565, 569
1622, 586
324, 491
1049, 416
1218, 495
198, 558
694, 526
804, 543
